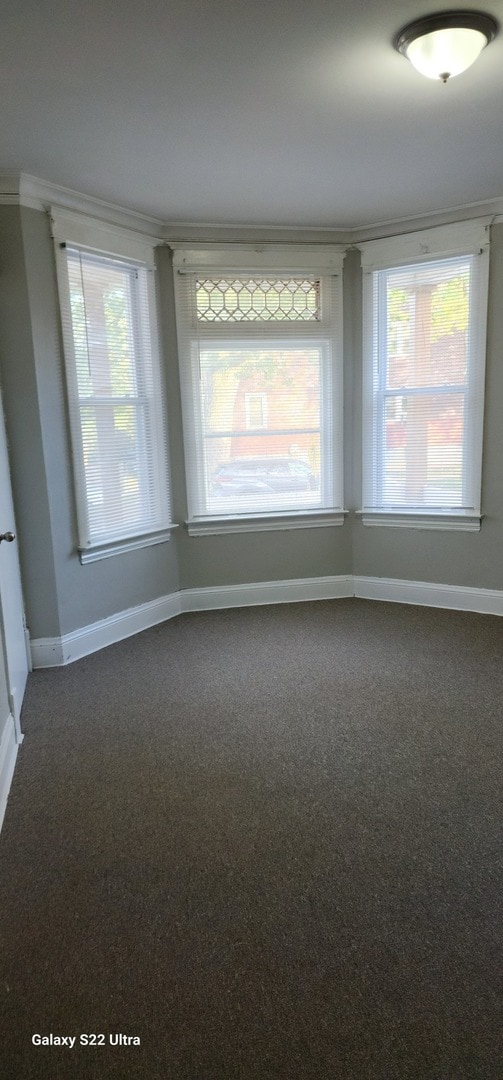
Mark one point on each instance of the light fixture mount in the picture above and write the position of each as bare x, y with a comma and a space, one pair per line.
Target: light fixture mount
445, 44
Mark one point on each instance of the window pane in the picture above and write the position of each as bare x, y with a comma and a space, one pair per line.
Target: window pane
112, 446
256, 410
276, 464
228, 299
102, 315
423, 450
427, 325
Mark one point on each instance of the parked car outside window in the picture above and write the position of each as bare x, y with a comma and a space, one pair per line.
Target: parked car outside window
241, 476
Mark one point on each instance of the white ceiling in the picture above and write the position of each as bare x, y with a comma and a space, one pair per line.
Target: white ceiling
247, 112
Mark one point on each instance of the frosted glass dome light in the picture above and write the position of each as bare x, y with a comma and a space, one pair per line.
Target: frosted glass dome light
444, 45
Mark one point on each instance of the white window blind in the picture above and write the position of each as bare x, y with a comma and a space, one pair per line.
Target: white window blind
262, 389
424, 330
114, 392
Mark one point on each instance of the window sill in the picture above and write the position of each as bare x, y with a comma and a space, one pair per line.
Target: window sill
119, 547
214, 526
418, 520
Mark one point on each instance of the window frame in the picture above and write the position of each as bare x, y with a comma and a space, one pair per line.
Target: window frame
134, 254
324, 261
465, 239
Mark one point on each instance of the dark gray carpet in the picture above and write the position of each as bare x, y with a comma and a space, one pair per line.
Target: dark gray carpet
267, 842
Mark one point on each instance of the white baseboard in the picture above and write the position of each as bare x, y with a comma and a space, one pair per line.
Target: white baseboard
8, 754
429, 594
267, 592
55, 652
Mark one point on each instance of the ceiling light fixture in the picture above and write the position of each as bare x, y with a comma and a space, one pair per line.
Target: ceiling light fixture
441, 46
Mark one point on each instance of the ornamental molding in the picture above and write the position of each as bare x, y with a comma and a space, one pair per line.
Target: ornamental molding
21, 189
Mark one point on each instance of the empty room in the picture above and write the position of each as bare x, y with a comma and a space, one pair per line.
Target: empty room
251, 540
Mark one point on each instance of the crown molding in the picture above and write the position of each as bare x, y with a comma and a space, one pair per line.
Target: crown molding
177, 234
491, 208
22, 189
25, 190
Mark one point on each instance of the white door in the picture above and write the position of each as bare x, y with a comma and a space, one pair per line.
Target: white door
12, 623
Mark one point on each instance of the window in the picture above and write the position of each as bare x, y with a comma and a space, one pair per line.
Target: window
261, 373
424, 320
114, 392
256, 411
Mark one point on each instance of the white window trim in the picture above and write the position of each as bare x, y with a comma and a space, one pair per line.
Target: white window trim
295, 519
73, 228
462, 238
413, 519
325, 260
104, 551
253, 258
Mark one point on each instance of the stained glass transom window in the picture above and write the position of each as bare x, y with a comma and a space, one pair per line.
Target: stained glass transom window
258, 299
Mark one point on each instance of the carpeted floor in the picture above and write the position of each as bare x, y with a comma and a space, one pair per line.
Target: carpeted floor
267, 843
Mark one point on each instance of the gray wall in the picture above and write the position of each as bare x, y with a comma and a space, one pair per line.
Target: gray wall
24, 429
61, 595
